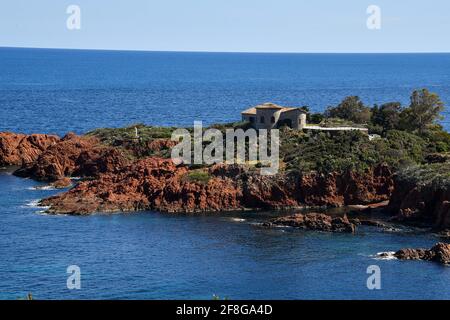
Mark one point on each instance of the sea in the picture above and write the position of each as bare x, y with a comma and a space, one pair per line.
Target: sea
150, 255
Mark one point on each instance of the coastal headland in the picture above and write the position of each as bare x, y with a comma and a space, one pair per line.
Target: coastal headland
400, 172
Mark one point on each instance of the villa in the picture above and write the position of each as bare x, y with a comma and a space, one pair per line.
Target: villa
271, 116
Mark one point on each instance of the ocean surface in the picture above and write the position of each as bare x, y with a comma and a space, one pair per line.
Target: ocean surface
150, 255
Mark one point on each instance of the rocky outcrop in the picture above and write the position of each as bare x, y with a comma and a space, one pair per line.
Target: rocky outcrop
439, 253
62, 183
421, 202
21, 149
151, 183
73, 156
314, 221
121, 184
157, 184
350, 188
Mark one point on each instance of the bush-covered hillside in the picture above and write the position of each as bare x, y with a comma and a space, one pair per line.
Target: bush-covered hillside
405, 136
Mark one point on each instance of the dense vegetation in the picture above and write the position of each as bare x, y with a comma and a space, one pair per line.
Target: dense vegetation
115, 136
434, 175
403, 136
406, 135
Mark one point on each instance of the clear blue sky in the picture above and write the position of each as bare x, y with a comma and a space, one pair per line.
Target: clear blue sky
229, 25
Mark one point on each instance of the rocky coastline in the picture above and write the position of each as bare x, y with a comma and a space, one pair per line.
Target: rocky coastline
114, 179
114, 182
440, 253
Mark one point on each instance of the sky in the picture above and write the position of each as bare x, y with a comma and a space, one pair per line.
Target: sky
228, 25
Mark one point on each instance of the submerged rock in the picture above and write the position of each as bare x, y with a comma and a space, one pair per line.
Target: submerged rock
439, 253
314, 221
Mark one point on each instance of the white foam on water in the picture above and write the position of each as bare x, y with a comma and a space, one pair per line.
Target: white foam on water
47, 188
388, 255
238, 219
35, 204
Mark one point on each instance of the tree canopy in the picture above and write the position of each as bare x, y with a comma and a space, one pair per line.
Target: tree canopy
351, 108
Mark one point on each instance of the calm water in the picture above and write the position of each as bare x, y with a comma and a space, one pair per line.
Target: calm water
56, 91
150, 255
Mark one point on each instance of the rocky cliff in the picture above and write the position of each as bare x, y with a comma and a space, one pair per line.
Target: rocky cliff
121, 184
21, 149
72, 156
422, 195
157, 184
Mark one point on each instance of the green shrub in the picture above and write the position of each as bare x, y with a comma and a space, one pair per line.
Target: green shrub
198, 176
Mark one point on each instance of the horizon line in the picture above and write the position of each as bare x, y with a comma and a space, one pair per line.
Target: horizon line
235, 52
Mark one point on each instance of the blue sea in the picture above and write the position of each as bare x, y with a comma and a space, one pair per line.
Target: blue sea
150, 255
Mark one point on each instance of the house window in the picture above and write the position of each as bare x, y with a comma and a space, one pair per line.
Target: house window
252, 119
261, 120
272, 120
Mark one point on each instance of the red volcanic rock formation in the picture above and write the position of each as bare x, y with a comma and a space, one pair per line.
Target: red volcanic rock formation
73, 155
151, 183
20, 149
161, 144
314, 221
62, 183
439, 253
421, 203
350, 188
158, 184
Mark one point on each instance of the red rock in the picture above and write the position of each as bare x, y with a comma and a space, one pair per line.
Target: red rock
315, 221
440, 252
152, 183
157, 184
336, 189
62, 183
73, 155
20, 149
161, 144
419, 204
